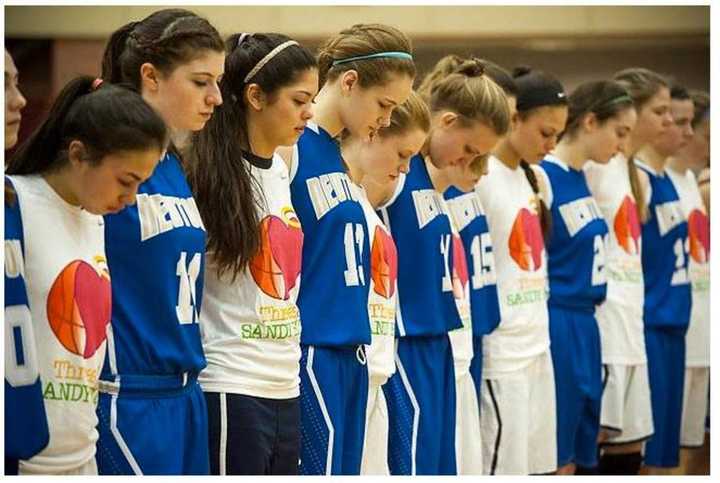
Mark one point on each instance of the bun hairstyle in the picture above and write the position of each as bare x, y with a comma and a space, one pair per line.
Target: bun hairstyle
642, 84
460, 85
537, 89
336, 55
227, 194
605, 99
105, 118
501, 77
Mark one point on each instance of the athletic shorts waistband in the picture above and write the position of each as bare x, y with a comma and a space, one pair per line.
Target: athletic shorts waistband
148, 384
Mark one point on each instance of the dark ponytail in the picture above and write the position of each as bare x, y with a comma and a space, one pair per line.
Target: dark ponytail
544, 211
227, 195
106, 120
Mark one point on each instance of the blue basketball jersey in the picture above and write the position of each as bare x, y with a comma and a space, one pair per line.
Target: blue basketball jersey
26, 428
335, 272
470, 219
418, 220
665, 256
576, 246
156, 254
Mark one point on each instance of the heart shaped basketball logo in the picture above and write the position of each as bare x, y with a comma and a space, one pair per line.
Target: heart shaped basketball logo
526, 241
699, 234
383, 263
276, 265
627, 226
79, 308
460, 269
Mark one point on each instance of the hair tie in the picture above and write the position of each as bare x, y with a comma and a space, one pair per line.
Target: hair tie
242, 37
267, 59
96, 84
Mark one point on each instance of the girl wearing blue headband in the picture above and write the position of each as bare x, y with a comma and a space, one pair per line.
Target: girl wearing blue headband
362, 80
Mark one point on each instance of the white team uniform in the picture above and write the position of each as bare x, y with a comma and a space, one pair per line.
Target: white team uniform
697, 372
468, 444
380, 354
626, 412
251, 326
70, 299
517, 416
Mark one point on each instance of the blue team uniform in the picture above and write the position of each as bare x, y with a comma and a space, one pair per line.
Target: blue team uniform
333, 302
484, 305
421, 394
152, 413
26, 428
576, 261
666, 315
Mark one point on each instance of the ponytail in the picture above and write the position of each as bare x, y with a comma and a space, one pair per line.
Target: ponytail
544, 211
111, 61
105, 118
637, 191
460, 85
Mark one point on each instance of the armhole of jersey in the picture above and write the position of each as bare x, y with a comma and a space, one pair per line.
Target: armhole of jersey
17, 209
396, 193
545, 187
646, 185
294, 162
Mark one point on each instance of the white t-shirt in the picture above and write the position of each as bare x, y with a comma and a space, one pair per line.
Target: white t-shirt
698, 334
461, 339
620, 317
69, 292
382, 298
521, 266
251, 326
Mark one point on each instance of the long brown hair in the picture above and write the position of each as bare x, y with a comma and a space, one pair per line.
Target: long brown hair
228, 196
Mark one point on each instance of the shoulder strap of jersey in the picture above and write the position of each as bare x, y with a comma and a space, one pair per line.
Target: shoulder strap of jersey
12, 211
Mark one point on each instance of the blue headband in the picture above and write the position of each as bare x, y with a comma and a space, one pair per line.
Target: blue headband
394, 55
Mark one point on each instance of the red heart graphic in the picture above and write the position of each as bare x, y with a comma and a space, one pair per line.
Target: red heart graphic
460, 268
526, 241
383, 263
276, 265
627, 226
79, 308
699, 234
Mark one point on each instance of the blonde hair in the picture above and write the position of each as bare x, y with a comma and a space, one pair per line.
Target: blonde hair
460, 85
411, 114
642, 84
361, 40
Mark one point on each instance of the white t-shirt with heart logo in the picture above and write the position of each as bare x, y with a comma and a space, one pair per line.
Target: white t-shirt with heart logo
251, 326
69, 294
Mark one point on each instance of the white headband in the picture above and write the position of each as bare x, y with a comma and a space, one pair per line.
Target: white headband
267, 59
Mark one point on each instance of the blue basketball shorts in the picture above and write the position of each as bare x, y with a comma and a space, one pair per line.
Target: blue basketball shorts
421, 407
152, 425
333, 404
666, 368
577, 362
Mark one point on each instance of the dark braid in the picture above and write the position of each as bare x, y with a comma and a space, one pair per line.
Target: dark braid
545, 217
